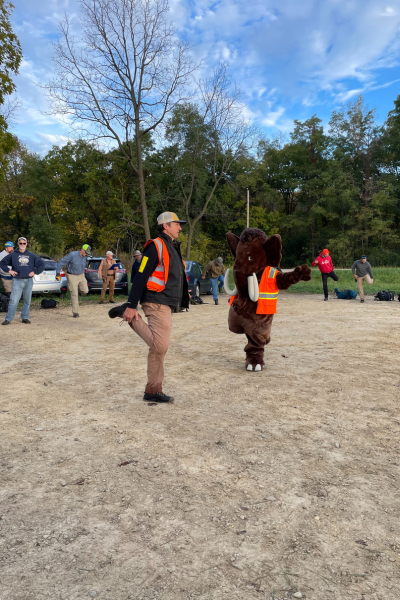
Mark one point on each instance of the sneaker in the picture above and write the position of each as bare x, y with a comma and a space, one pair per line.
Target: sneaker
362, 300
26, 321
112, 301
216, 302
158, 397
75, 315
326, 299
101, 302
6, 322
118, 311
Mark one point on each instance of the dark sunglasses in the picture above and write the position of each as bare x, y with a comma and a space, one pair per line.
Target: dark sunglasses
22, 243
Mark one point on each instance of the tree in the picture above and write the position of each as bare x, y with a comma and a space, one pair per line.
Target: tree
122, 77
208, 137
10, 60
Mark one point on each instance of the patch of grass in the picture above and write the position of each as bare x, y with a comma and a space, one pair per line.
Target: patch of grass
385, 278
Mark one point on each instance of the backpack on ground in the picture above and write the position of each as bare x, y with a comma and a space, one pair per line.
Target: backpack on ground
196, 300
346, 294
48, 303
3, 303
384, 296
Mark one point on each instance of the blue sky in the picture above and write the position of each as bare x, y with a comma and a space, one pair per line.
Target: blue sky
291, 58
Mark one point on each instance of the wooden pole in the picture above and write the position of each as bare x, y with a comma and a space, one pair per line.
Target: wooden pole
248, 208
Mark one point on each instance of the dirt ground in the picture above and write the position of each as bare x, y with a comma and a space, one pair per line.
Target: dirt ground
271, 485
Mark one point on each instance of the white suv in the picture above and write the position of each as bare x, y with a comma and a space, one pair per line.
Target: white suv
47, 282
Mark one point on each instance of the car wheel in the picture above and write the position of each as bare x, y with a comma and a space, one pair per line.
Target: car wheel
197, 290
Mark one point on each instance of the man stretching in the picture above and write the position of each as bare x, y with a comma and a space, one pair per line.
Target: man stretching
160, 285
325, 266
361, 270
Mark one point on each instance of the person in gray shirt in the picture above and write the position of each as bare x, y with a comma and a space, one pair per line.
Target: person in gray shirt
76, 265
361, 270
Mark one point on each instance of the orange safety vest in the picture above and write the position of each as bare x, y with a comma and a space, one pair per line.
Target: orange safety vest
268, 289
159, 277
268, 292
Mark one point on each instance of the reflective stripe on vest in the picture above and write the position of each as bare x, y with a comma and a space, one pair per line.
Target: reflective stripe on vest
158, 279
268, 292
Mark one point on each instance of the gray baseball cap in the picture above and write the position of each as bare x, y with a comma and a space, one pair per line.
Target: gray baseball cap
168, 217
220, 260
137, 253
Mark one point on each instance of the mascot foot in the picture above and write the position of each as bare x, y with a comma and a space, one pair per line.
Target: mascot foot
256, 368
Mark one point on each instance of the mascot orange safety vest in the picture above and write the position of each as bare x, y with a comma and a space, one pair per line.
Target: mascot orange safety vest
268, 292
159, 277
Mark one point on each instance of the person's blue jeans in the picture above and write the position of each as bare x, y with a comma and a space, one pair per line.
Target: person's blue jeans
216, 283
20, 287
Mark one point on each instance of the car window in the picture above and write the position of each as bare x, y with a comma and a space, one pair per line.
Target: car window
94, 264
187, 265
197, 269
50, 265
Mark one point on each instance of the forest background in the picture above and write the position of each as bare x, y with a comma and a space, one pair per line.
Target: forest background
336, 186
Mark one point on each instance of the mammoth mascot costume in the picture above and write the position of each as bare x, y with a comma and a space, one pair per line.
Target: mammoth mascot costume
257, 283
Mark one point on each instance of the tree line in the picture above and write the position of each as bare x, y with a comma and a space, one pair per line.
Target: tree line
155, 137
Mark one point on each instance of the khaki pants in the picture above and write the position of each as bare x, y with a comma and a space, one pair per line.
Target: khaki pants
7, 284
76, 282
156, 333
109, 281
360, 283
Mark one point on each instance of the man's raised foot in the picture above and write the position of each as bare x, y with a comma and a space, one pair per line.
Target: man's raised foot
118, 311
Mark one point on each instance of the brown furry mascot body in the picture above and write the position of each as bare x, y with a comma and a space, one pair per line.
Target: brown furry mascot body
254, 251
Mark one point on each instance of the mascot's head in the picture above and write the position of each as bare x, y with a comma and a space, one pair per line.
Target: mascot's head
253, 251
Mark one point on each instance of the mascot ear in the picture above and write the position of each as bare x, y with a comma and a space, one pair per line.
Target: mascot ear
272, 248
233, 241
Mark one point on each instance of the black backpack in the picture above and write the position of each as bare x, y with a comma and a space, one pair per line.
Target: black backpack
48, 303
196, 300
384, 296
3, 303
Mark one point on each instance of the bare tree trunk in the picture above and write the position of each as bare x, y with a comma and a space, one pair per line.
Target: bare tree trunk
142, 191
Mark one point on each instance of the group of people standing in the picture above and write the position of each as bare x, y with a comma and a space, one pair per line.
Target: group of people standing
361, 270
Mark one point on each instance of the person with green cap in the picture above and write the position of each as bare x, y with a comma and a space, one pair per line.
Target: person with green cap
75, 263
6, 278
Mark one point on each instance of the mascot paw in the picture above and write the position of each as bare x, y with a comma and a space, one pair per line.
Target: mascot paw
302, 273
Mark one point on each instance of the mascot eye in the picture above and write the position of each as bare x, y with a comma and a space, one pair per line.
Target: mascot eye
250, 258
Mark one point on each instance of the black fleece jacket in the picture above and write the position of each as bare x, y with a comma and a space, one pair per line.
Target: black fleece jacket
176, 291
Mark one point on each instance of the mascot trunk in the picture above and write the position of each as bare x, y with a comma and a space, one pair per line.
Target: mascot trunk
257, 284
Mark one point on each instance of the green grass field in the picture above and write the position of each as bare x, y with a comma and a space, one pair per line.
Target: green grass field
385, 278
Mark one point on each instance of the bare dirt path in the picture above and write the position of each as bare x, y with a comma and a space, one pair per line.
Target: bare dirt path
252, 485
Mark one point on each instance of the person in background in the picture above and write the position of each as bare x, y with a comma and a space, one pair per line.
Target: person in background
216, 270
5, 277
24, 265
361, 270
137, 255
107, 271
325, 266
76, 265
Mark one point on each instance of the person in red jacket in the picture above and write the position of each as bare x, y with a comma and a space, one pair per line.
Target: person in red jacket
325, 265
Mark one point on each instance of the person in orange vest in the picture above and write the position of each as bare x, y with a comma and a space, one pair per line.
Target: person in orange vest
160, 285
257, 283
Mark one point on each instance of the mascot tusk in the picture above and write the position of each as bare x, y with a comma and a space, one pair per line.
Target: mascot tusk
226, 285
252, 285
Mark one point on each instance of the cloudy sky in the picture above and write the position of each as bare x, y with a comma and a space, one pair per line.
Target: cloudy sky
291, 58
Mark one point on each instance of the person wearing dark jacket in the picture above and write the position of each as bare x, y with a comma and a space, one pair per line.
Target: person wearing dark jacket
325, 266
24, 265
362, 270
136, 264
160, 285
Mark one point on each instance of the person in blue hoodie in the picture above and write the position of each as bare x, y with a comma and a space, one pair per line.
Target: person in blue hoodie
24, 265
